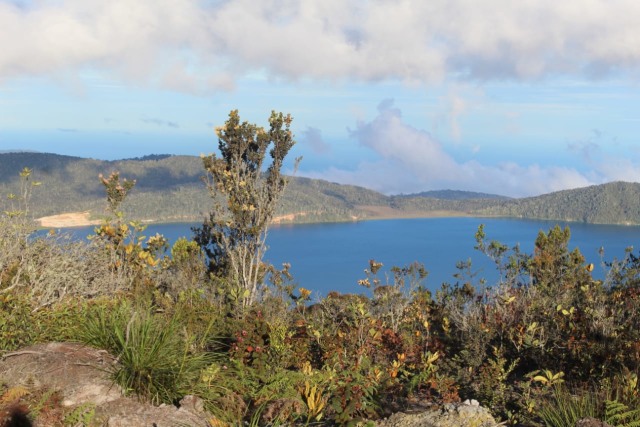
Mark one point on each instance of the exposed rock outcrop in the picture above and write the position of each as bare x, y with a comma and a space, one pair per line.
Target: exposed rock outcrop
591, 422
80, 375
468, 414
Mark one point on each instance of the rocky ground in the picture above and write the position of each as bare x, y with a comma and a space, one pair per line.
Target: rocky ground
78, 375
467, 414
76, 378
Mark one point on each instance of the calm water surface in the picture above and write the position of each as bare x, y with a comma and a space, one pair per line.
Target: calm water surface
327, 257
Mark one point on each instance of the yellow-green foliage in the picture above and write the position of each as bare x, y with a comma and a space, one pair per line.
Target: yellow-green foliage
83, 415
17, 323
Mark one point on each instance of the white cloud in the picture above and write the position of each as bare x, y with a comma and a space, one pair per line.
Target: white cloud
411, 160
195, 46
617, 169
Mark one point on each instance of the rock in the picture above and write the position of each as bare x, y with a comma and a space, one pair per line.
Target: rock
469, 414
591, 422
79, 372
80, 375
127, 412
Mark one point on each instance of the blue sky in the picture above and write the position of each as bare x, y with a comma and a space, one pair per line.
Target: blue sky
515, 98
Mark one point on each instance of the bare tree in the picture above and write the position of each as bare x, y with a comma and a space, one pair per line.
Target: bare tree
245, 193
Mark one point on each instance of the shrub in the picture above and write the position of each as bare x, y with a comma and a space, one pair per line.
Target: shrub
245, 195
17, 326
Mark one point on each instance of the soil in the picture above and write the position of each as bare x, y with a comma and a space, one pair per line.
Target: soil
69, 219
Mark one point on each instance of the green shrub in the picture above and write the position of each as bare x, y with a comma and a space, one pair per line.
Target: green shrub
17, 326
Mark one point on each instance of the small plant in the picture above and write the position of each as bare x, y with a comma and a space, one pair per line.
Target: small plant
493, 381
13, 393
130, 260
564, 409
620, 415
81, 416
17, 326
154, 360
315, 400
548, 378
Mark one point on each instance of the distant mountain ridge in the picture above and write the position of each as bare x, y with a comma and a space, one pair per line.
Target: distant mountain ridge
455, 195
169, 189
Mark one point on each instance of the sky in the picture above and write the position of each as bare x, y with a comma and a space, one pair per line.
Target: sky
517, 98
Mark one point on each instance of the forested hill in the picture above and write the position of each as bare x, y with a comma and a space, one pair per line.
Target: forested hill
455, 195
169, 188
612, 203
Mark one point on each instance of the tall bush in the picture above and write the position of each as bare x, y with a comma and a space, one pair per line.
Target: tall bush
245, 196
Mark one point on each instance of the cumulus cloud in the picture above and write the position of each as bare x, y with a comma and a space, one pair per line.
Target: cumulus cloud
197, 46
412, 160
619, 169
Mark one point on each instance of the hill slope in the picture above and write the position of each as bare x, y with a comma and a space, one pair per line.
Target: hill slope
611, 203
455, 195
169, 188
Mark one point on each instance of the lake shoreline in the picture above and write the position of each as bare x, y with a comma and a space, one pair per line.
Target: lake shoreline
375, 213
83, 219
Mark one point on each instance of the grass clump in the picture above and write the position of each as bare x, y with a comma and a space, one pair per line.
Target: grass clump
154, 360
564, 408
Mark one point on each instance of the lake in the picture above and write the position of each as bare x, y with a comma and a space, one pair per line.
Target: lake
326, 257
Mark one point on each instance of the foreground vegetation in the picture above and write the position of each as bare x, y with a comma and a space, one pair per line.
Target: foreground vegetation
544, 345
524, 347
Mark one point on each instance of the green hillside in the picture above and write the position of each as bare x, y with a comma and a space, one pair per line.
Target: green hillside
612, 203
455, 195
169, 188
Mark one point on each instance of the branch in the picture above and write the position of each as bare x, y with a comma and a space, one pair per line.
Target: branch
20, 353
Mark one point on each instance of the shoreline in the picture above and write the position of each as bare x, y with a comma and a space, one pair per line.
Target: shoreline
376, 213
83, 219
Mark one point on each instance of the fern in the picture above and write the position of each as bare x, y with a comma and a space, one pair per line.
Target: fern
620, 415
281, 383
83, 415
14, 393
43, 401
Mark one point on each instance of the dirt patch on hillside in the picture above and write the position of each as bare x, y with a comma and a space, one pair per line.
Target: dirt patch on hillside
69, 219
287, 218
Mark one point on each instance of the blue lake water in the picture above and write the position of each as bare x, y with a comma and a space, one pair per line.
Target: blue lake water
326, 257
